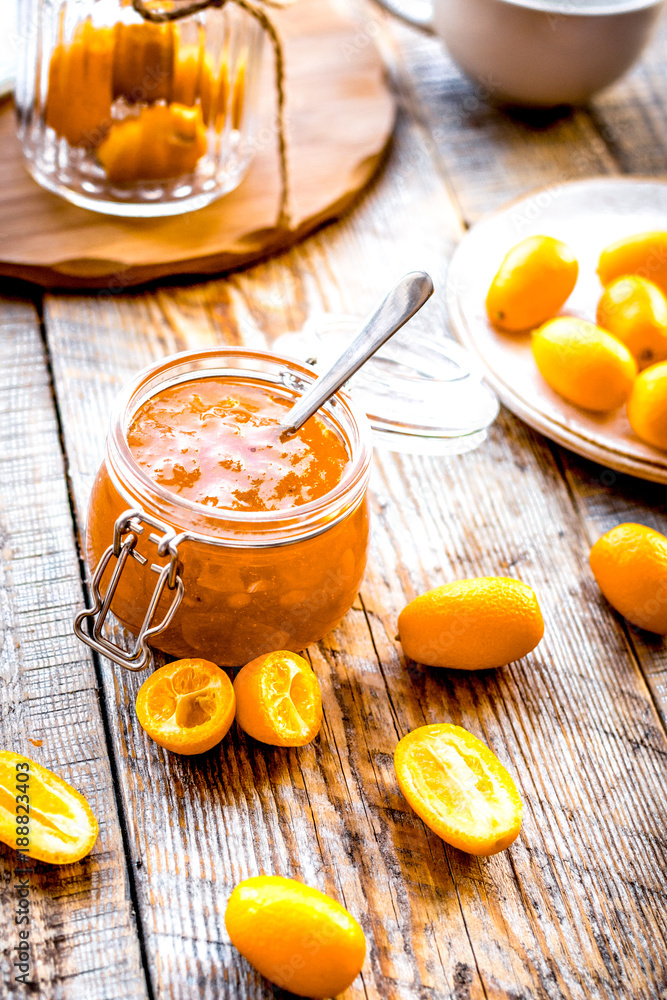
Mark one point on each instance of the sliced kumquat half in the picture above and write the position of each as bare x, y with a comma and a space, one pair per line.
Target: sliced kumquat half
41, 815
278, 699
459, 788
187, 706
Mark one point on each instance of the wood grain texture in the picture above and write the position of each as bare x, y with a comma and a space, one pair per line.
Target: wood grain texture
631, 116
82, 932
489, 155
339, 118
252, 809
618, 133
604, 498
631, 120
576, 908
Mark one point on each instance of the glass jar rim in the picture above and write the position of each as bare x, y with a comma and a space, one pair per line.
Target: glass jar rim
298, 522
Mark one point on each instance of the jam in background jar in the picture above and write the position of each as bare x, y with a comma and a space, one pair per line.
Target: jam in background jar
129, 117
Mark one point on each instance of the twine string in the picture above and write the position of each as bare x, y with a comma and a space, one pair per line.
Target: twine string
196, 7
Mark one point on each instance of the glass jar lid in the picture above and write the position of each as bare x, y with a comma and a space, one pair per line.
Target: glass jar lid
422, 394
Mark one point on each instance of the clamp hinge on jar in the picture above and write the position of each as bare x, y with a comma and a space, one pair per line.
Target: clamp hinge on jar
127, 529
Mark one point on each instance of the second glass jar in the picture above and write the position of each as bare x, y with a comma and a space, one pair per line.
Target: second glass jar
132, 118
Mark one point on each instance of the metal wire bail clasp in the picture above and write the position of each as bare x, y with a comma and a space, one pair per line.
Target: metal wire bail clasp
127, 529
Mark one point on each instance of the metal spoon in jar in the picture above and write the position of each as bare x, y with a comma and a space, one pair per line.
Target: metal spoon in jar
402, 302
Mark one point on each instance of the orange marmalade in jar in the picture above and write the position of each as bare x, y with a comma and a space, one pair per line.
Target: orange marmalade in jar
212, 533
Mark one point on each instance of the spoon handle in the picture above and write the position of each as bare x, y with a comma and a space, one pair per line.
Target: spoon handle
402, 302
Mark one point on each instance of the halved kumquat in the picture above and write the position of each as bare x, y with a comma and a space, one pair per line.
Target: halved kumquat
278, 699
187, 706
41, 815
459, 788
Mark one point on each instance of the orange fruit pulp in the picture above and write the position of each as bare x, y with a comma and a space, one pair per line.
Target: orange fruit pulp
142, 64
41, 815
278, 699
186, 706
296, 936
459, 788
245, 598
79, 96
161, 142
629, 564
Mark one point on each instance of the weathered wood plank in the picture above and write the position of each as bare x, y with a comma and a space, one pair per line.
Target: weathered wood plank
83, 937
570, 719
245, 808
631, 115
604, 499
486, 155
621, 132
576, 909
631, 119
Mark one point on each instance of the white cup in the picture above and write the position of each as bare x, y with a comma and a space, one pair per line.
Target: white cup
538, 53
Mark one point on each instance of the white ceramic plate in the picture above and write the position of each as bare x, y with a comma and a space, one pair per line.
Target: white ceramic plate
587, 215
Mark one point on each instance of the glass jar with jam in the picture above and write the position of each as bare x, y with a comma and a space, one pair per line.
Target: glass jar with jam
130, 117
213, 533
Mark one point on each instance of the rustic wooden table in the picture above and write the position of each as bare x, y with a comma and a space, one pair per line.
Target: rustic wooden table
576, 908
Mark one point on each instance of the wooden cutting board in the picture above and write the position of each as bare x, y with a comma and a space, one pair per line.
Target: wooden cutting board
340, 116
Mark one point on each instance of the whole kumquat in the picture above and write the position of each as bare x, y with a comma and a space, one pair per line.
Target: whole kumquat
278, 699
647, 406
41, 815
459, 788
583, 363
634, 311
472, 624
187, 706
296, 936
644, 254
533, 282
629, 564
